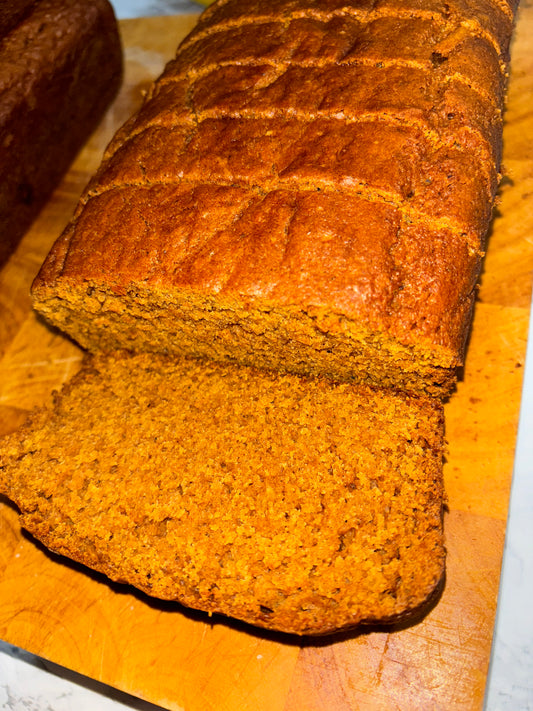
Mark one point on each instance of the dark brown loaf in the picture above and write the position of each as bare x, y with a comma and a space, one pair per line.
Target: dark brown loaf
60, 66
12, 13
308, 187
288, 503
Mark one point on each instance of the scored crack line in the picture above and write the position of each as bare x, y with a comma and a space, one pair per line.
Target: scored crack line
365, 17
427, 67
484, 157
473, 238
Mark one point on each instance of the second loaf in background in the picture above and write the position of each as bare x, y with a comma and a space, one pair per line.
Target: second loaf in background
307, 187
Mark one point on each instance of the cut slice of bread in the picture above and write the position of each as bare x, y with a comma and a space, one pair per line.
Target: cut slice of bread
289, 503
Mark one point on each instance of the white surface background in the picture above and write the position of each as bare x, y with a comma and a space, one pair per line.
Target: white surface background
27, 684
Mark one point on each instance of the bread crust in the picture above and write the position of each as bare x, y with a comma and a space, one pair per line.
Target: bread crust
304, 180
60, 67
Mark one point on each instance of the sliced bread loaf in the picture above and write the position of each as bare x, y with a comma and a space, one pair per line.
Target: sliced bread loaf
307, 188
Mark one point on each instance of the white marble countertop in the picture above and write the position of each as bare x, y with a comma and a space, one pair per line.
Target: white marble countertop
27, 683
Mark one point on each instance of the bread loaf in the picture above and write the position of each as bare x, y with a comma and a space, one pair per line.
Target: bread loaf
307, 188
301, 205
60, 66
288, 503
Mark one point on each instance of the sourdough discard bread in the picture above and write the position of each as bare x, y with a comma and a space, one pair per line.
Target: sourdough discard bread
60, 66
288, 503
307, 188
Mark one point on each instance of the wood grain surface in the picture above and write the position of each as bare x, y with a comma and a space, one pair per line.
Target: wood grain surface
183, 660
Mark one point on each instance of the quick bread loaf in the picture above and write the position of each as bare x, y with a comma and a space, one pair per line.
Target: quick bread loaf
307, 188
288, 503
60, 66
275, 269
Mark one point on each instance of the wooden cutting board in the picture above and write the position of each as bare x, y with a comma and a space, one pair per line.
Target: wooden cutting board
183, 660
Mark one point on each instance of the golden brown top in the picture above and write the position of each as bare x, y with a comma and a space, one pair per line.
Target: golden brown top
334, 155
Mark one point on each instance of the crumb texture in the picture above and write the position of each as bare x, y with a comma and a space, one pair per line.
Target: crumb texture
289, 503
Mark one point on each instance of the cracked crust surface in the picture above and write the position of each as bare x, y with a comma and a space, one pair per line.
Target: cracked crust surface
305, 179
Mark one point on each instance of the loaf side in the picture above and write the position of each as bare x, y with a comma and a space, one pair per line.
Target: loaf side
60, 66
